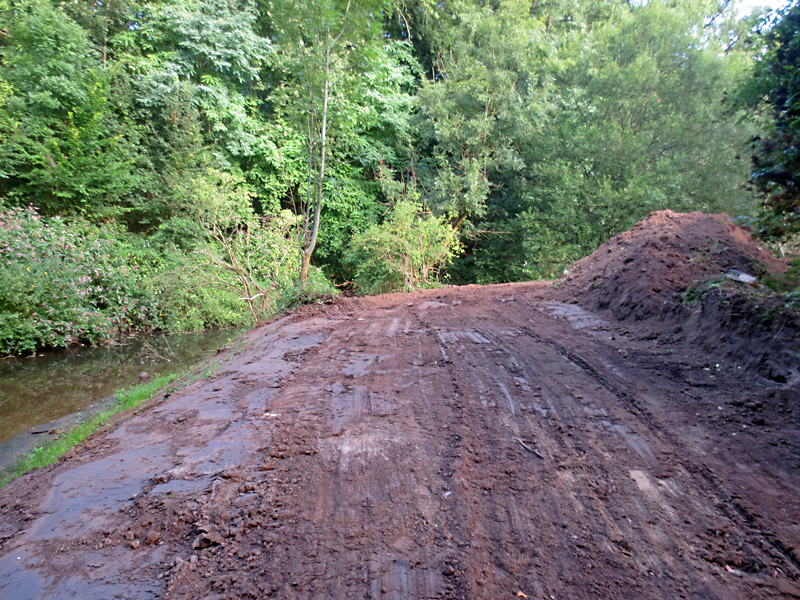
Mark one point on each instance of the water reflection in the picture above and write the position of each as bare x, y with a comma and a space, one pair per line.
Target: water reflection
39, 389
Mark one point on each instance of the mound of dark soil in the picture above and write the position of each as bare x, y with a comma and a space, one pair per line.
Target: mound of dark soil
668, 272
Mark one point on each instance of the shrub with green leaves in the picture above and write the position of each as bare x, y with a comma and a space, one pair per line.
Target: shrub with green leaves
69, 283
241, 268
406, 251
63, 284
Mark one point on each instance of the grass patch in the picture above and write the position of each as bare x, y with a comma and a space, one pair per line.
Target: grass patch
50, 452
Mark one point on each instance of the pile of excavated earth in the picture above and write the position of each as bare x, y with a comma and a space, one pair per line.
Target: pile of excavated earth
687, 277
629, 432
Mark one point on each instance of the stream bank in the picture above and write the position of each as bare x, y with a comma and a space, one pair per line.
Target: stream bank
43, 396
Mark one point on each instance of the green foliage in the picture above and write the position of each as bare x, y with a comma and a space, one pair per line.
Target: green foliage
344, 92
408, 250
540, 144
316, 290
211, 46
482, 81
350, 207
376, 133
63, 285
255, 260
774, 89
277, 169
239, 259
787, 282
186, 303
63, 146
73, 283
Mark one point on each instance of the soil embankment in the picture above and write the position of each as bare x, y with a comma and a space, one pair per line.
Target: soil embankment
666, 277
476, 442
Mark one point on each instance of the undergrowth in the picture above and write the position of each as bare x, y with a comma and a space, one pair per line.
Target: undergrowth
787, 282
69, 283
767, 301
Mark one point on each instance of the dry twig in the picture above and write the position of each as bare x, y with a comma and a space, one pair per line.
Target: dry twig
528, 448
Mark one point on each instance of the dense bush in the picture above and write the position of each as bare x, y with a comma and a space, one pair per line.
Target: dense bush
70, 283
63, 285
406, 251
774, 90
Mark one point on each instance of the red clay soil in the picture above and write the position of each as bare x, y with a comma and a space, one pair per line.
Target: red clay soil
640, 273
666, 275
476, 442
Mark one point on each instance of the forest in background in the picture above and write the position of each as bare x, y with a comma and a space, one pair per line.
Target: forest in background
184, 164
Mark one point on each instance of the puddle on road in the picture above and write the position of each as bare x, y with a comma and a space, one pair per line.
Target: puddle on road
358, 368
182, 486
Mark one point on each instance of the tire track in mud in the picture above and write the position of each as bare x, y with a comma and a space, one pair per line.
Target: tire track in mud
350, 496
640, 476
481, 337
724, 500
386, 459
563, 448
732, 509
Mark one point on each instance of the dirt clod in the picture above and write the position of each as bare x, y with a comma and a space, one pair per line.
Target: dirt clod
152, 538
206, 540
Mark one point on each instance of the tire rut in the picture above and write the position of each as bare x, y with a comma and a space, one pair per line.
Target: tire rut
384, 453
733, 510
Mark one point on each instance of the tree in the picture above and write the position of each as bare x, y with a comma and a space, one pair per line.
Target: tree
638, 121
66, 146
326, 44
543, 132
213, 46
468, 110
774, 90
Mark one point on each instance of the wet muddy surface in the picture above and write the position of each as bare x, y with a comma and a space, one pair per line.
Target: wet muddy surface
467, 442
35, 390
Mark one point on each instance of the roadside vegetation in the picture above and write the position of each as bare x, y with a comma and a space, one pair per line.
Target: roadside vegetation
178, 165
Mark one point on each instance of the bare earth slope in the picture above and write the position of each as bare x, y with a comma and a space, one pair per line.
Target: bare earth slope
653, 274
456, 443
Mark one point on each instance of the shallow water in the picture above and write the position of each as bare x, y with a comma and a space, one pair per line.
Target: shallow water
36, 390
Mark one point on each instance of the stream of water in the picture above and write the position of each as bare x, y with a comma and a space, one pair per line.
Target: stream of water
36, 390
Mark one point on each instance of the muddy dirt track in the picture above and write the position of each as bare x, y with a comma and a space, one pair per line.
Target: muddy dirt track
456, 443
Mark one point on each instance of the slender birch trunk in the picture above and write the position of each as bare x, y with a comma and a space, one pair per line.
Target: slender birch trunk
311, 236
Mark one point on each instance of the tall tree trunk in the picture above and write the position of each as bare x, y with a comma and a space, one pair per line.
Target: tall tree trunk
311, 237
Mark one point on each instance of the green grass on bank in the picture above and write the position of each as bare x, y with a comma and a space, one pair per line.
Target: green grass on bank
50, 452
126, 399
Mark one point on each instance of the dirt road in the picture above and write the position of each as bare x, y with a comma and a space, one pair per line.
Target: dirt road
457, 443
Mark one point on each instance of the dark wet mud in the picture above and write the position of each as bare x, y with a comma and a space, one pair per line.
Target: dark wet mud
457, 443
